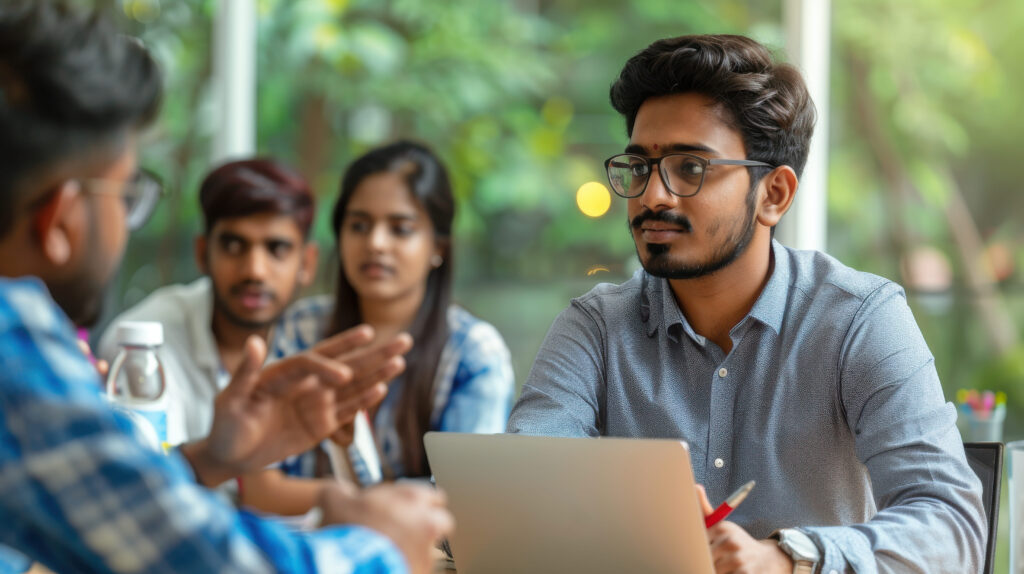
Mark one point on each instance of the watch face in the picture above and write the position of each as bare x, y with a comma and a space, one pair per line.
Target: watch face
799, 545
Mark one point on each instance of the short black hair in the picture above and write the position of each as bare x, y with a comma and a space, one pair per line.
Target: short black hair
69, 84
256, 186
766, 101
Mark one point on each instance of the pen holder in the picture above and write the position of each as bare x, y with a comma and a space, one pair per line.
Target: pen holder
983, 427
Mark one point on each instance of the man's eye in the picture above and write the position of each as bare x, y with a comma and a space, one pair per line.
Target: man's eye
232, 246
639, 169
691, 168
279, 250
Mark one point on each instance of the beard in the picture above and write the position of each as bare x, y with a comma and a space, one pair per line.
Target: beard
660, 263
222, 306
81, 298
81, 293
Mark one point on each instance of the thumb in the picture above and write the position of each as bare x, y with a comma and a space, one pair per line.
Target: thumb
244, 380
702, 497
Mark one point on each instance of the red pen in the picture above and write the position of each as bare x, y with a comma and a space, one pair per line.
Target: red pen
729, 505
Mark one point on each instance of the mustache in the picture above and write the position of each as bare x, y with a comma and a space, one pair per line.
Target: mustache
663, 216
249, 286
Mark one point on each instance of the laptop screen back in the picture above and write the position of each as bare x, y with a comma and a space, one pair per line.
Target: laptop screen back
525, 504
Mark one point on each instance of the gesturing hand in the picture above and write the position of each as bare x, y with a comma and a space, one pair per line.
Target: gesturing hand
734, 551
413, 516
265, 415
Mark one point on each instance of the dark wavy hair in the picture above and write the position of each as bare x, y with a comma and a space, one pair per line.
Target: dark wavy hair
70, 85
252, 186
427, 181
766, 101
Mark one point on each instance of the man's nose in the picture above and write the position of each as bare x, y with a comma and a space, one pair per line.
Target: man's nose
657, 197
257, 263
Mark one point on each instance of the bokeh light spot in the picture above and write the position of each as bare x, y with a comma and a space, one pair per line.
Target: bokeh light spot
557, 112
143, 11
593, 199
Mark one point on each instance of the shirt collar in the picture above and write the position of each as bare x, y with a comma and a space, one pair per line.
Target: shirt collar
199, 319
664, 310
769, 308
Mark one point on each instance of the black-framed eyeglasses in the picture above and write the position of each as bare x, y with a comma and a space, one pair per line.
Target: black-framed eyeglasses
682, 173
141, 195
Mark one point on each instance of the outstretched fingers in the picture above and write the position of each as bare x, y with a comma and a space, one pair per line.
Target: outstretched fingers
384, 373
369, 359
344, 342
345, 409
247, 375
301, 372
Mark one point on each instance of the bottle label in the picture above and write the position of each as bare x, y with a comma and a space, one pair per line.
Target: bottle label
150, 422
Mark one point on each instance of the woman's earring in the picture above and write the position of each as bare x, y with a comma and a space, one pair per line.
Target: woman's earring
436, 261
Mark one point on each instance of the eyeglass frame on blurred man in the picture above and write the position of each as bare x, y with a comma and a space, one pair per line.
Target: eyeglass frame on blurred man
141, 195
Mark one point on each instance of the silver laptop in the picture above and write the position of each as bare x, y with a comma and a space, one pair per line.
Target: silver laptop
529, 505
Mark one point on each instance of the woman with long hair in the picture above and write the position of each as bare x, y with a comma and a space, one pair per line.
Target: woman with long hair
393, 223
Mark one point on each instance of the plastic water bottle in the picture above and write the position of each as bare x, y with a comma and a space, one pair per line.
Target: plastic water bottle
137, 385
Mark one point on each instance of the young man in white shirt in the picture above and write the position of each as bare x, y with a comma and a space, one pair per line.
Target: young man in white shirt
256, 256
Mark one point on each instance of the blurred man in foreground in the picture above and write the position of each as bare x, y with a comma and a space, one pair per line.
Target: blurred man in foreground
78, 493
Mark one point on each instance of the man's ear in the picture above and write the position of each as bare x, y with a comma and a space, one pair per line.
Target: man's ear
779, 190
201, 255
56, 226
310, 260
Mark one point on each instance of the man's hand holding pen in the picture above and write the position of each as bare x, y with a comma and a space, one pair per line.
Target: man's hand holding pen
733, 550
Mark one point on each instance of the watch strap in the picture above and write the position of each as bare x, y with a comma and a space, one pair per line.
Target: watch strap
801, 565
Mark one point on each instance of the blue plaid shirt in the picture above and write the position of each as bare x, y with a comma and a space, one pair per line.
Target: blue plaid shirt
473, 386
78, 493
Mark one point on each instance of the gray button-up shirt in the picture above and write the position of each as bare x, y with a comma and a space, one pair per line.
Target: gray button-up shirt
829, 399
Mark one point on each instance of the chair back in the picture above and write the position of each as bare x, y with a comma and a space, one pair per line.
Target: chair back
986, 460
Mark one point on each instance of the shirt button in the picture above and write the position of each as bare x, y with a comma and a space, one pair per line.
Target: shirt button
719, 463
723, 372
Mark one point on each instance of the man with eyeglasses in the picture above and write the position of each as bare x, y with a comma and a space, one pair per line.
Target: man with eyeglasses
78, 491
780, 366
255, 256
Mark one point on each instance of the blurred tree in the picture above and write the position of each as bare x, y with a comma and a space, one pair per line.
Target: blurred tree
912, 76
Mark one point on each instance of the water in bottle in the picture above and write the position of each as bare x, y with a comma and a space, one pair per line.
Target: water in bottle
136, 384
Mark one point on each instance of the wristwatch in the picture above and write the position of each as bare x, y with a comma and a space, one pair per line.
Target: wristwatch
800, 548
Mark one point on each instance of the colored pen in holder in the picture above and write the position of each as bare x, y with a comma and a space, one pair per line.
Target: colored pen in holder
980, 415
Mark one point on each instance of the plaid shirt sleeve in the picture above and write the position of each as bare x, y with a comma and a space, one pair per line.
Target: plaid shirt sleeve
79, 494
481, 381
473, 387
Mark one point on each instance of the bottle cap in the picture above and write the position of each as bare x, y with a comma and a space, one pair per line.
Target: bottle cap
140, 333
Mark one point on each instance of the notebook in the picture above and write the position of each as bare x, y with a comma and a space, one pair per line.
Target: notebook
527, 504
